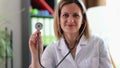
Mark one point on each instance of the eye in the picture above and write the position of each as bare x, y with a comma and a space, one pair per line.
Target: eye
76, 15
65, 15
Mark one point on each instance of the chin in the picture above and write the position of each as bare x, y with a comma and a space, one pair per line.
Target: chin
71, 32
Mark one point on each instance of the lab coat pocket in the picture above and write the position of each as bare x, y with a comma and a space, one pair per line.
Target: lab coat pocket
90, 63
85, 63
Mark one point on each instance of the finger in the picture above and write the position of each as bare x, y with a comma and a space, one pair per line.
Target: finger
33, 49
33, 37
38, 32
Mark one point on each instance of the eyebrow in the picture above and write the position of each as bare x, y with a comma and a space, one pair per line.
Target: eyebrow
70, 13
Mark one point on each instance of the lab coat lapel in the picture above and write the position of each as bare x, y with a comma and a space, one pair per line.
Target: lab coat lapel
82, 42
64, 50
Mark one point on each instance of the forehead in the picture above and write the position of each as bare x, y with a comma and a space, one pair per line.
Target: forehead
71, 8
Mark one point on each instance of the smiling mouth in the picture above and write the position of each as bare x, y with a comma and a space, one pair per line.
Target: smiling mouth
70, 25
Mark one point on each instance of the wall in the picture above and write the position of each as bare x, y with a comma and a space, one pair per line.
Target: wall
11, 13
107, 19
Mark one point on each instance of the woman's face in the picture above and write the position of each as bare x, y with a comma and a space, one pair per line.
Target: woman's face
71, 18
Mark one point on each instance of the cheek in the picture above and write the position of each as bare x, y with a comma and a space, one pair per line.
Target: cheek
62, 22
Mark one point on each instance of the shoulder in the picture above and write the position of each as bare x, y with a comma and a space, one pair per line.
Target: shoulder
51, 47
95, 39
98, 43
50, 51
53, 44
49, 55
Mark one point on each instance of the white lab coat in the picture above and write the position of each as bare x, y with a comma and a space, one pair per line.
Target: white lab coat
90, 53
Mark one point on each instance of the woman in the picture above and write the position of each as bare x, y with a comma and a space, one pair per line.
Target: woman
75, 47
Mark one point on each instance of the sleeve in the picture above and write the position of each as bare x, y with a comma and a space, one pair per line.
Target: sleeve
104, 56
48, 57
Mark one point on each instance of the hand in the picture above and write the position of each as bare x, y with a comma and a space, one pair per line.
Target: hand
33, 46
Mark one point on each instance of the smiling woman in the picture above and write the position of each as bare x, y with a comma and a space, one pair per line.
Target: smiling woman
75, 46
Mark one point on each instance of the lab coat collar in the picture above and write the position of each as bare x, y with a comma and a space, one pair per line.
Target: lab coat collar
64, 49
82, 42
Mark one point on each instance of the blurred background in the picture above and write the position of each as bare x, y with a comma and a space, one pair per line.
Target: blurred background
18, 19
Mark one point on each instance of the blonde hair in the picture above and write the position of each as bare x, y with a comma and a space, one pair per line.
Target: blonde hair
58, 31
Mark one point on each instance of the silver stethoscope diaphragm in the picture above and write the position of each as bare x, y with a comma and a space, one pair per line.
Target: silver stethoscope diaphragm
38, 26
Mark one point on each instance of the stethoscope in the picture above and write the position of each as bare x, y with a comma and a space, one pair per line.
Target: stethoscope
39, 26
74, 44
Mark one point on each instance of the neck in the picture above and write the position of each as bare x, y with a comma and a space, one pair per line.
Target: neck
71, 38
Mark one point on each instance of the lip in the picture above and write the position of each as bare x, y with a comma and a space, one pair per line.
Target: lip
70, 25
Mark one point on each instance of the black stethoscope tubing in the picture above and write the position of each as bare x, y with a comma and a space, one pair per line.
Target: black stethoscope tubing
77, 40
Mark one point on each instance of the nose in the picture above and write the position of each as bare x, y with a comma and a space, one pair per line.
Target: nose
70, 19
